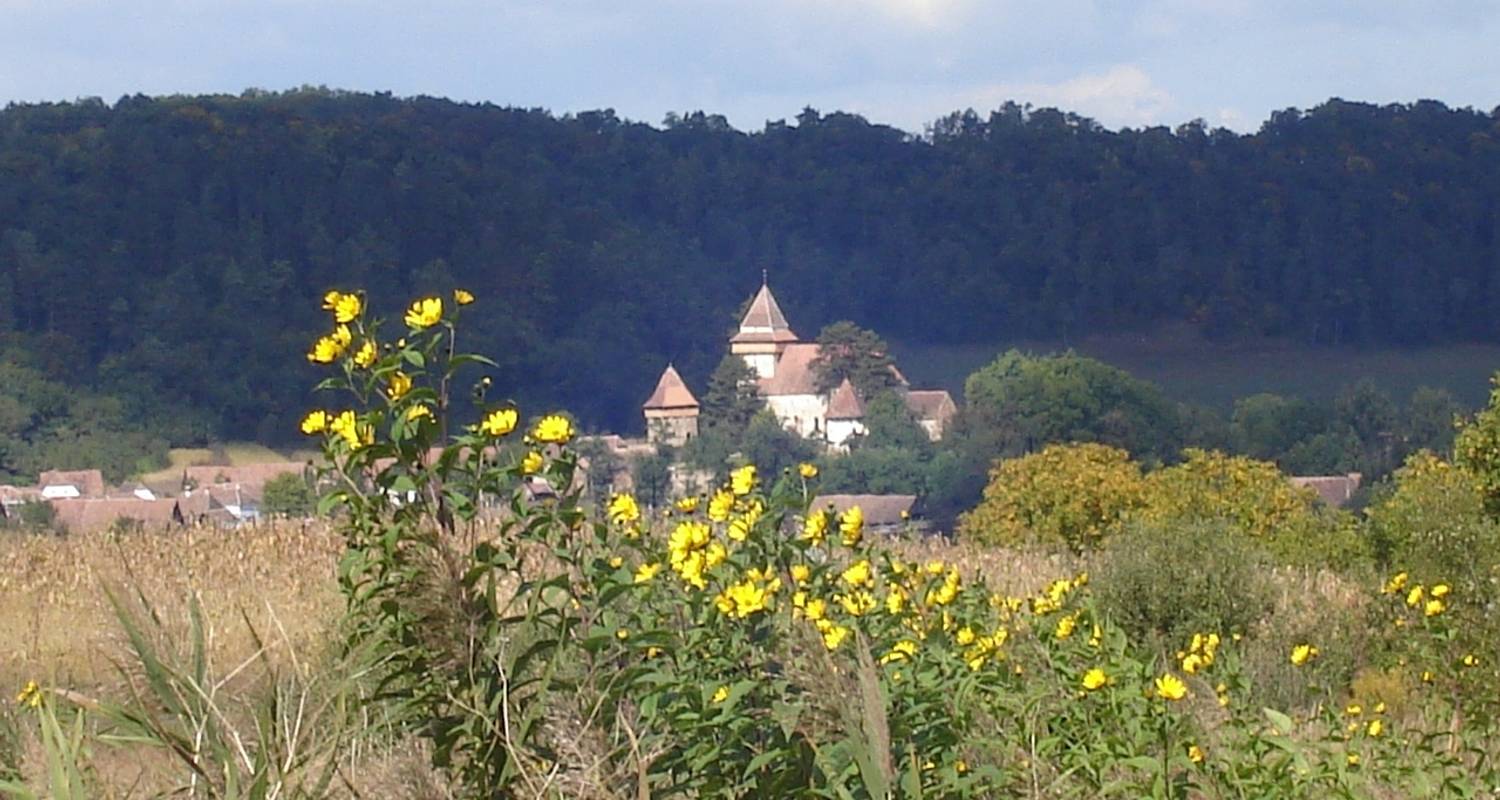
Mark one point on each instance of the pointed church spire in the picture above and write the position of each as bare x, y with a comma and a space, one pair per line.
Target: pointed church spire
671, 392
764, 317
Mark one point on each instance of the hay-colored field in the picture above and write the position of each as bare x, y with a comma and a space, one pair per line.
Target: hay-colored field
232, 454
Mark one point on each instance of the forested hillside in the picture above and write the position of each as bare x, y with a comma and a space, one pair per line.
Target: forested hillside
168, 253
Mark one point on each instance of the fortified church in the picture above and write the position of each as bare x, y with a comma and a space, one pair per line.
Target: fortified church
787, 383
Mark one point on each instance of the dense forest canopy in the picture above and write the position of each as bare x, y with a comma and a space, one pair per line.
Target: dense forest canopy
168, 252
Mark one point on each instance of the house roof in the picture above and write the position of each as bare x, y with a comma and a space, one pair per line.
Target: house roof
934, 404
1335, 490
763, 320
19, 494
87, 513
90, 482
671, 392
794, 372
878, 509
245, 475
844, 403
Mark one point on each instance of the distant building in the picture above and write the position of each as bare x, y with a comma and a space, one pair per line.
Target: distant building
787, 382
1334, 490
95, 514
883, 513
71, 484
671, 411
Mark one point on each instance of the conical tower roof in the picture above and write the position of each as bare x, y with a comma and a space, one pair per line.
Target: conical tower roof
845, 403
671, 392
763, 321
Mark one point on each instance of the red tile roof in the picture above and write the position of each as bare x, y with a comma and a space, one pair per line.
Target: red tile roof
844, 403
89, 482
671, 392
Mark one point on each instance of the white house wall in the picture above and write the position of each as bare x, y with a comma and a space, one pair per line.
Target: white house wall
804, 413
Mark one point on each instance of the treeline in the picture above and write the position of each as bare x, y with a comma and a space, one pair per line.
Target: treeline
168, 252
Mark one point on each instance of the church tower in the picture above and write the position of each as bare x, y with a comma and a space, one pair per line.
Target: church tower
671, 411
763, 335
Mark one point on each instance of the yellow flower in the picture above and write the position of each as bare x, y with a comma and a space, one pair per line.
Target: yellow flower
1195, 754
1427, 676
687, 505
742, 480
1352, 759
499, 422
1094, 679
463, 297
720, 505
1380, 707
1353, 709
1433, 608
425, 313
858, 603
1375, 728
900, 651
1065, 627
1470, 660
622, 634
815, 609
801, 572
895, 600
30, 695
345, 307
325, 351
616, 562
852, 526
531, 463
808, 471
858, 574
1440, 590
315, 422
721, 694
1414, 596
1303, 653
1170, 687
331, 299
342, 336
1192, 663
553, 429
834, 635
624, 510
346, 426
366, 354
816, 527
399, 385
417, 412
646, 572
1395, 584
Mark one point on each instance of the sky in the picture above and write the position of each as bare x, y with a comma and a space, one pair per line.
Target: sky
899, 62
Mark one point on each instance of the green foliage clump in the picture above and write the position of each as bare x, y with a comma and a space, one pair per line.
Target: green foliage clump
1256, 499
1433, 523
1165, 581
847, 351
1073, 495
1477, 449
288, 495
1021, 403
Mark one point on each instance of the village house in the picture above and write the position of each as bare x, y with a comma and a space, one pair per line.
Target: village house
1334, 490
68, 484
788, 383
885, 514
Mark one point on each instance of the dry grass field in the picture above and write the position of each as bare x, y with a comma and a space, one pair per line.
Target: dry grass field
271, 608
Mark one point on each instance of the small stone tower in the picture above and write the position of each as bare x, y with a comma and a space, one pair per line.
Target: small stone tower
846, 415
763, 335
671, 411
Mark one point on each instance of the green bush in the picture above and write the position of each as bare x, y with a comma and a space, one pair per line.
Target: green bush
1168, 581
